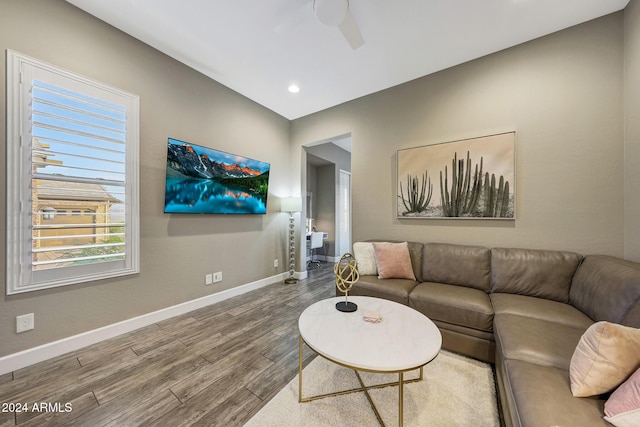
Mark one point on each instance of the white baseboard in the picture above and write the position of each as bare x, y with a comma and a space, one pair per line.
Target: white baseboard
47, 351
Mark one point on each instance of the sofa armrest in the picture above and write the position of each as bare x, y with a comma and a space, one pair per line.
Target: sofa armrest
608, 288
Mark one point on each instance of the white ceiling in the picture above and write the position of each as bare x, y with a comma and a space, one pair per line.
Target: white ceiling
259, 47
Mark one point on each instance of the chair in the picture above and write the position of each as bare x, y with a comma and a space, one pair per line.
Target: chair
315, 242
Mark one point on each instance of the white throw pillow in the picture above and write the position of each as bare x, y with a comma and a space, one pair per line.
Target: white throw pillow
366, 259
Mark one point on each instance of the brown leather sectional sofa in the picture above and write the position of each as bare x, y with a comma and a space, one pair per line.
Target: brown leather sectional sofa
524, 310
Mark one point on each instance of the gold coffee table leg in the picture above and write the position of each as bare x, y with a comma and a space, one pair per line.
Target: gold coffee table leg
368, 396
363, 388
401, 398
300, 371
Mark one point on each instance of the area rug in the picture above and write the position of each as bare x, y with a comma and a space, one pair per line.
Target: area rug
455, 391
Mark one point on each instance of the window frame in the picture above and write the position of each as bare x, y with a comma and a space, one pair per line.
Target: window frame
19, 272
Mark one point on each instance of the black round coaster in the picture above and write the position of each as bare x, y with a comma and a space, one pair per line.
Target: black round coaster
347, 307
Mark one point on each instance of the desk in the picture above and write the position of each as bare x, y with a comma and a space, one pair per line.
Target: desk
310, 249
325, 236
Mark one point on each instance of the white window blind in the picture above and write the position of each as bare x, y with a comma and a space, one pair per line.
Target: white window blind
72, 196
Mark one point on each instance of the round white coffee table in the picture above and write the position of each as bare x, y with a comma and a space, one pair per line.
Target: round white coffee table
404, 340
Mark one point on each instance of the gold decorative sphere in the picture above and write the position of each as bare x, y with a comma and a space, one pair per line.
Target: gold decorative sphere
346, 271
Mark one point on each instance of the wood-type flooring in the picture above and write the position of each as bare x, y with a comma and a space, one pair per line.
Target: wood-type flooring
215, 366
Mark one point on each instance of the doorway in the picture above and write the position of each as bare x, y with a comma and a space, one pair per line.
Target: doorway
344, 213
328, 190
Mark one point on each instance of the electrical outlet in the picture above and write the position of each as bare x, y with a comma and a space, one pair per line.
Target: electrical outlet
24, 322
276, 263
208, 279
217, 277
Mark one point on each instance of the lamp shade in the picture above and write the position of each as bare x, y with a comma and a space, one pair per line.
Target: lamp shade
291, 204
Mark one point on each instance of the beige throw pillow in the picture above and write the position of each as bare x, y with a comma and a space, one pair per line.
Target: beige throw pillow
605, 356
393, 260
366, 258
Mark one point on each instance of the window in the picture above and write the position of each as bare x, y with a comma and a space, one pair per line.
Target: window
72, 178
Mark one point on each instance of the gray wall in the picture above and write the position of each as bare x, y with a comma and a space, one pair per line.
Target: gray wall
176, 251
632, 130
562, 94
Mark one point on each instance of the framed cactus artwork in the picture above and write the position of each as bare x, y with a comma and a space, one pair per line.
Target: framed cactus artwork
466, 179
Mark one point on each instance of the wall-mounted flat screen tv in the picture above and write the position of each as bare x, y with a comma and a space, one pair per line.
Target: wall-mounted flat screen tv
202, 180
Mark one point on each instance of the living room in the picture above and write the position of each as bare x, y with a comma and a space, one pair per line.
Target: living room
571, 97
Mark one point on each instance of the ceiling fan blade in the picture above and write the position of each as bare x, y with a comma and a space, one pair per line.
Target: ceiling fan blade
351, 32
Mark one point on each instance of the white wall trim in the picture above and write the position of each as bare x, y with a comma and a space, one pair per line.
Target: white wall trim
47, 351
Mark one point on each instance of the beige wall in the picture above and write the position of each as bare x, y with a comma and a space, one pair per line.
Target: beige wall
632, 130
176, 251
562, 94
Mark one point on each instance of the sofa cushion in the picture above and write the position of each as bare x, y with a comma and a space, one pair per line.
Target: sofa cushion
541, 397
393, 260
535, 340
607, 288
464, 330
543, 274
540, 308
456, 265
392, 289
606, 355
365, 258
468, 342
453, 304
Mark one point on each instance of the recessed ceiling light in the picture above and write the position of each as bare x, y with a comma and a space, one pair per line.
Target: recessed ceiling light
294, 89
